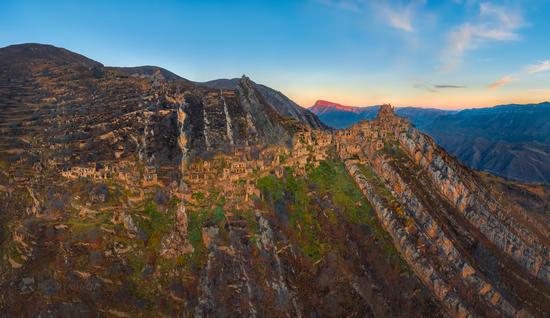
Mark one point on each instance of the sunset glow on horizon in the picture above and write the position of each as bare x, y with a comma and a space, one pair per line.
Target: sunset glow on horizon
443, 54
450, 101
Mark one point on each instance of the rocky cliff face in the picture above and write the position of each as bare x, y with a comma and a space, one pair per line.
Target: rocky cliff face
135, 193
449, 226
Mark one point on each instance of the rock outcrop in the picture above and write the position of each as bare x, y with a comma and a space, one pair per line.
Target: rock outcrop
443, 219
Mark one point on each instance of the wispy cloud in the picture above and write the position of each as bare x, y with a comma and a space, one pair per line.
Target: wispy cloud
449, 86
495, 23
425, 87
395, 14
539, 67
502, 81
435, 88
399, 16
526, 71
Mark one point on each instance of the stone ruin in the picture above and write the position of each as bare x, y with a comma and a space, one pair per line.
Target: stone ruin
235, 174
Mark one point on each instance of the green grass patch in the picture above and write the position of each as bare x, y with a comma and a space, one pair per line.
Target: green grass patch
293, 192
332, 178
156, 224
271, 188
380, 233
298, 194
197, 219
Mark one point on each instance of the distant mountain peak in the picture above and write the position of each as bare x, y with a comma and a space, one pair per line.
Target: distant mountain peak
323, 106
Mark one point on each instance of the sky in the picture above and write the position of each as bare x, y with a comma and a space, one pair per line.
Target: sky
446, 54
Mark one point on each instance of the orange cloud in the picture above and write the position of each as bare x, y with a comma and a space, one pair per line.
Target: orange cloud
501, 82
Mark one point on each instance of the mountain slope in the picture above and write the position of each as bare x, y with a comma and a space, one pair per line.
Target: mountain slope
139, 196
511, 141
421, 117
104, 108
282, 104
148, 72
22, 53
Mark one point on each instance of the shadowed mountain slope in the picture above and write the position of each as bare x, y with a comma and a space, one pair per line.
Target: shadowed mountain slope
512, 141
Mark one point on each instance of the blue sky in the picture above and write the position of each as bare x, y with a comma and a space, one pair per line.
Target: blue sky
447, 54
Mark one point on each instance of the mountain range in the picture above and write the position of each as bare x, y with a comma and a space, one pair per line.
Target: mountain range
512, 141
133, 192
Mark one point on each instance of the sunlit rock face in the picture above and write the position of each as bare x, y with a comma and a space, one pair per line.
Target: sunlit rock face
134, 192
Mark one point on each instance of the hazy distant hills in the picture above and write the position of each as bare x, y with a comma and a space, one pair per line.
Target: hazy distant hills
342, 116
512, 141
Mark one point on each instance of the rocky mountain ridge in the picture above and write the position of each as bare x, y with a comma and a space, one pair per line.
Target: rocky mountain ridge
509, 140
283, 104
127, 194
148, 71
